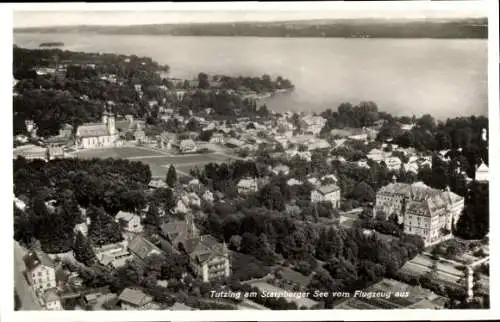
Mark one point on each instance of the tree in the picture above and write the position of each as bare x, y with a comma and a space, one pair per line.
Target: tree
363, 192
235, 242
193, 125
427, 122
171, 176
380, 215
83, 251
203, 81
103, 229
474, 220
153, 216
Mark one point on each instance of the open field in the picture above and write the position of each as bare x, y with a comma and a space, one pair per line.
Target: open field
300, 301
122, 152
157, 161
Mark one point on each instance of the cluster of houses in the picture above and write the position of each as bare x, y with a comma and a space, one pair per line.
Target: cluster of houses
324, 189
41, 272
208, 259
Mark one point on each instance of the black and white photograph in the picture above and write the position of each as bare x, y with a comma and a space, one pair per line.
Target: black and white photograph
206, 160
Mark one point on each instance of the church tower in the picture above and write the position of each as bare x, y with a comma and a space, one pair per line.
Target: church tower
111, 124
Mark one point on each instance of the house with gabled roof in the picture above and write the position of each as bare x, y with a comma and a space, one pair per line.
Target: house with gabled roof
130, 222
134, 299
330, 193
482, 173
208, 258
141, 248
180, 307
113, 255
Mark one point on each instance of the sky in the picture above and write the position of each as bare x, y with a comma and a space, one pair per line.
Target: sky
57, 15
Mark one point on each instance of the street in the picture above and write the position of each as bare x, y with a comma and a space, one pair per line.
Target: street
27, 296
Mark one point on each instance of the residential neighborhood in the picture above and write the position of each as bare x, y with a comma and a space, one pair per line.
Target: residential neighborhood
139, 189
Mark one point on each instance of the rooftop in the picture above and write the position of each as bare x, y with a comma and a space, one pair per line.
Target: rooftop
328, 189
92, 130
180, 307
33, 259
124, 215
142, 247
135, 297
51, 295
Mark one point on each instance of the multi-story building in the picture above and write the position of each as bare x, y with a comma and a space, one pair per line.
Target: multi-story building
217, 138
248, 185
330, 192
208, 259
423, 211
130, 222
41, 271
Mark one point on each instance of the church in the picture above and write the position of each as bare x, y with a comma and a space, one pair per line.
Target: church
95, 135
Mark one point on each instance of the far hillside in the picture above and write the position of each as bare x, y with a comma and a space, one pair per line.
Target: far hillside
343, 28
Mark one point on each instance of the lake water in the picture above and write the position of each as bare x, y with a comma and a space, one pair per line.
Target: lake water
446, 78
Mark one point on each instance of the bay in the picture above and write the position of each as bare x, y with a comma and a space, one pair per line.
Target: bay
443, 77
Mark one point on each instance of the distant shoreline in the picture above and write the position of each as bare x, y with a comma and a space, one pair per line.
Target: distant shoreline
51, 44
468, 28
238, 36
